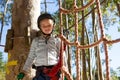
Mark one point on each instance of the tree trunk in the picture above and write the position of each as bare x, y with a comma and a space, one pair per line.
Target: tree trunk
24, 19
84, 75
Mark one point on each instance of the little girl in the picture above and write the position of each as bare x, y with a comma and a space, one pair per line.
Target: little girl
44, 51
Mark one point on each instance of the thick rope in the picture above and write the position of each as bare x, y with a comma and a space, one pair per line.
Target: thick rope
105, 41
65, 11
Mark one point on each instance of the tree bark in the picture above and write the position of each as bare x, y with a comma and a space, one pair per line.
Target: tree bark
24, 22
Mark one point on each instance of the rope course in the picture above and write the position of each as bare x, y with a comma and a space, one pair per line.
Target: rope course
76, 43
78, 46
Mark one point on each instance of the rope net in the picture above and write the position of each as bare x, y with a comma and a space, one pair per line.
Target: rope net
75, 10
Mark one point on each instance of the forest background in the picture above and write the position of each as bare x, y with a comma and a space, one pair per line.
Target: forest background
111, 19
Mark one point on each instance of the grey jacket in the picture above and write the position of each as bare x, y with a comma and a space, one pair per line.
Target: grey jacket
43, 53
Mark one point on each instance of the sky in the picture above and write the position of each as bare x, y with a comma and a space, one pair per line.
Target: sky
114, 52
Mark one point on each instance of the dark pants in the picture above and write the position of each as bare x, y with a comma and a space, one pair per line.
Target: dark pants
41, 73
42, 77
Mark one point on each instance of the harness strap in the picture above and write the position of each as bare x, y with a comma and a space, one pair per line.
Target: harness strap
41, 73
57, 67
51, 71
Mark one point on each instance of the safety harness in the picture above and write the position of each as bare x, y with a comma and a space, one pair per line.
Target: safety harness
57, 67
54, 70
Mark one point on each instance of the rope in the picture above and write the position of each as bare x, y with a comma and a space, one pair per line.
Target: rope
105, 41
75, 9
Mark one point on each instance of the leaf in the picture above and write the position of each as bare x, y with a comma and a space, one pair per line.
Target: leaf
118, 29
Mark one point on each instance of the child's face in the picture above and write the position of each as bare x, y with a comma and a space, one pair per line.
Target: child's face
47, 26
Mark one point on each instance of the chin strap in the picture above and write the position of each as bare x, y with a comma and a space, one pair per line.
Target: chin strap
46, 38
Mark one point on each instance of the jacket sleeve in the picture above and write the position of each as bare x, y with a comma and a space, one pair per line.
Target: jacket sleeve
31, 56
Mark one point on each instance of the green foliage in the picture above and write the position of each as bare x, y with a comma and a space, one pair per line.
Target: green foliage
2, 68
113, 74
110, 13
68, 4
6, 11
118, 29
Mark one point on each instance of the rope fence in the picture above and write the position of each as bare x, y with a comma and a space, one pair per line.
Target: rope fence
75, 10
76, 43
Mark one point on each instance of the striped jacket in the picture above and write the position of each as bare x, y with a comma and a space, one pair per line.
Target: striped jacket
43, 52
